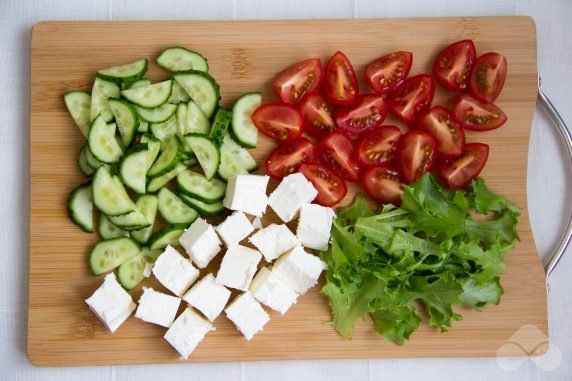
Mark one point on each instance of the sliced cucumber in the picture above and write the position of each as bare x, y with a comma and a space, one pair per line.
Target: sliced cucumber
153, 147
92, 160
143, 126
78, 104
166, 130
132, 272
111, 253
82, 163
107, 230
102, 143
220, 125
139, 83
133, 168
177, 59
150, 96
241, 127
197, 186
207, 153
196, 120
135, 220
102, 90
240, 154
126, 119
173, 210
202, 88
228, 166
204, 209
157, 115
169, 235
157, 183
127, 73
169, 158
108, 196
80, 207
190, 162
147, 204
178, 94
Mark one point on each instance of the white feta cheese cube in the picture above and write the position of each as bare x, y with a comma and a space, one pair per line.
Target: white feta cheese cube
247, 193
157, 308
201, 242
111, 303
208, 296
187, 332
257, 223
314, 226
247, 315
293, 192
234, 228
174, 271
273, 241
238, 267
299, 269
272, 291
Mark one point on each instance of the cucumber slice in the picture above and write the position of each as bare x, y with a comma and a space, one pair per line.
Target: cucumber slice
107, 230
82, 163
147, 204
135, 220
204, 209
190, 162
202, 88
239, 154
169, 235
127, 73
197, 186
166, 130
241, 127
207, 153
169, 158
100, 93
196, 120
132, 272
150, 96
133, 168
228, 166
157, 115
157, 183
111, 253
126, 119
102, 143
80, 207
153, 148
220, 125
178, 94
173, 210
78, 104
177, 59
139, 83
143, 126
109, 196
92, 160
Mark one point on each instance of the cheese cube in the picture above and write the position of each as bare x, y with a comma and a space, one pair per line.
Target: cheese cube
174, 271
273, 241
314, 226
208, 296
187, 332
238, 267
271, 291
157, 308
299, 269
201, 242
257, 223
247, 315
293, 192
111, 303
234, 229
247, 193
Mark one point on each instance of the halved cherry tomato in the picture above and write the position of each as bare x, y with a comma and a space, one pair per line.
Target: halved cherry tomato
452, 67
337, 152
386, 73
302, 78
378, 146
331, 188
415, 155
340, 85
475, 115
382, 185
278, 121
459, 172
288, 156
412, 98
487, 77
449, 135
317, 116
367, 112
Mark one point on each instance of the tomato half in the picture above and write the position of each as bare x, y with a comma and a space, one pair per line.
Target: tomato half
415, 155
382, 185
475, 115
337, 152
449, 134
386, 73
378, 146
288, 156
302, 78
368, 111
278, 121
412, 98
340, 85
487, 77
317, 116
331, 188
452, 67
461, 171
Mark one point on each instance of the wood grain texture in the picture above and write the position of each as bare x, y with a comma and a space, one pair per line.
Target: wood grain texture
245, 56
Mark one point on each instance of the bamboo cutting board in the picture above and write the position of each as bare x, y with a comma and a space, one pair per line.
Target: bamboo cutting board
245, 56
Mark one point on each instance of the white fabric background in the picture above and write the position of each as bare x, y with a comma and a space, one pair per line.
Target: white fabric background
548, 185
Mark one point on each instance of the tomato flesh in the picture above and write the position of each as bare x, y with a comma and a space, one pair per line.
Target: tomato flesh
278, 121
488, 76
368, 112
287, 157
302, 78
340, 86
475, 115
386, 73
461, 171
382, 185
452, 67
378, 146
449, 134
317, 116
415, 155
337, 152
412, 98
331, 188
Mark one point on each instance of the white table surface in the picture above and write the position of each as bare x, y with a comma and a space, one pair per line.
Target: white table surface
548, 174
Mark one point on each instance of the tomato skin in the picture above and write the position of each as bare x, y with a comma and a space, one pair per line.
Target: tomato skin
382, 185
340, 86
288, 156
337, 151
488, 76
278, 121
301, 78
331, 188
367, 112
378, 146
412, 98
447, 132
317, 116
459, 172
415, 155
452, 66
477, 116
386, 73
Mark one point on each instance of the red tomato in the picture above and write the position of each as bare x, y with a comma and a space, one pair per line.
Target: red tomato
487, 77
278, 121
368, 111
288, 156
415, 155
337, 152
340, 85
461, 171
477, 116
452, 67
412, 98
382, 185
378, 146
331, 188
317, 116
388, 72
299, 79
449, 135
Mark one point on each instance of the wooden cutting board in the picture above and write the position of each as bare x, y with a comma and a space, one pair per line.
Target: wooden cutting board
245, 56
